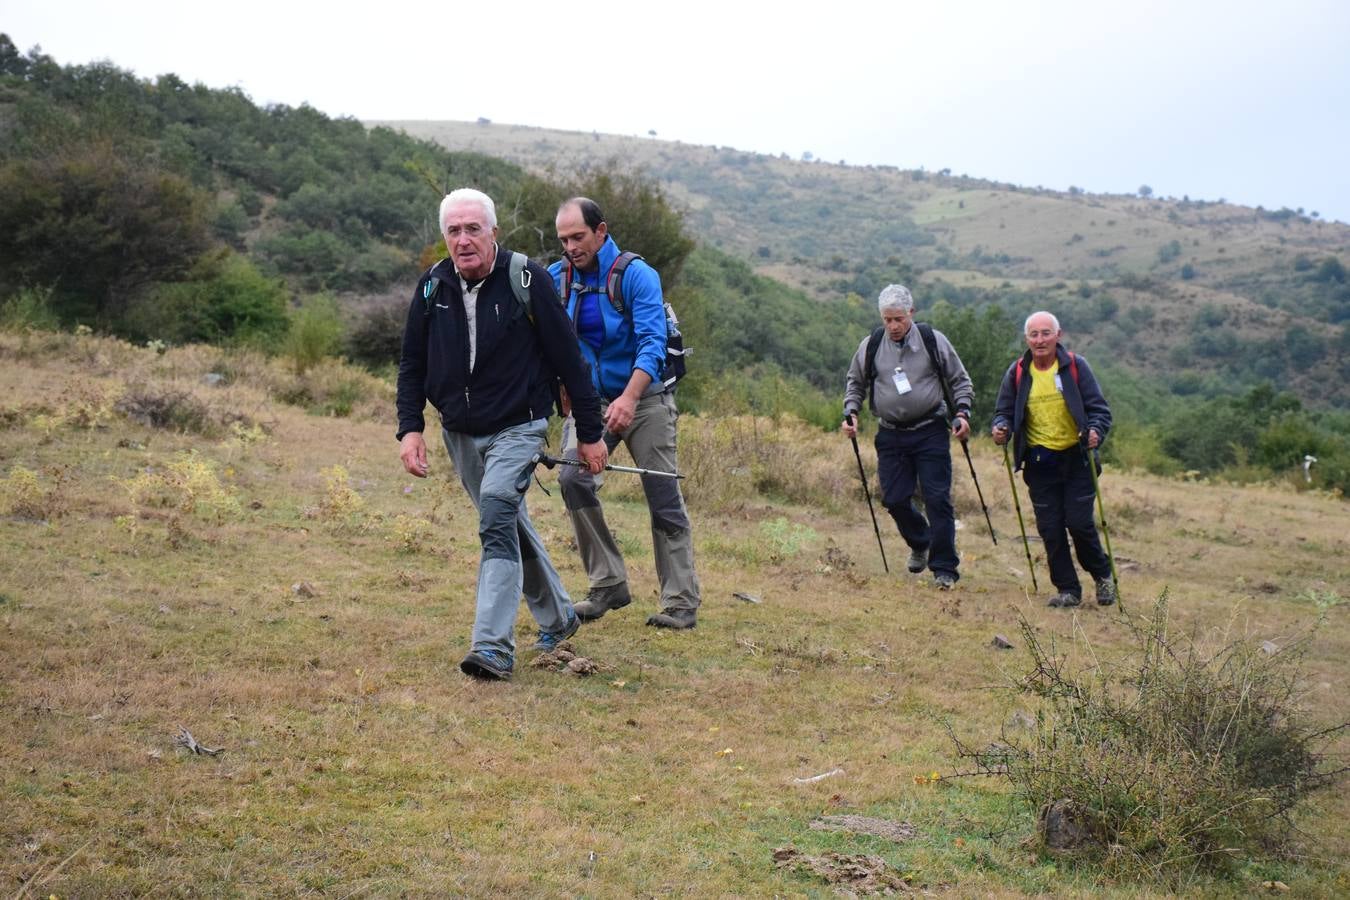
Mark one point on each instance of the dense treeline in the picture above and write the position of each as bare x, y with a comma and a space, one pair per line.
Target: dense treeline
163, 211
158, 209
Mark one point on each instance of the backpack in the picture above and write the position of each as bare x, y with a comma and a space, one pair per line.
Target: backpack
520, 285
929, 345
1017, 371
673, 368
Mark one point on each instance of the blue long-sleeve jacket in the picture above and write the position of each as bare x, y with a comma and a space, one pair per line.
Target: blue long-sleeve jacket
632, 343
1083, 397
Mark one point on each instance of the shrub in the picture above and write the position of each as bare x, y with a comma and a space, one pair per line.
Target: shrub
227, 300
1176, 759
376, 338
315, 333
157, 407
23, 494
28, 309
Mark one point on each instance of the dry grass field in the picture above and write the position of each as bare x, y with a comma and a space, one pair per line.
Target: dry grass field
270, 581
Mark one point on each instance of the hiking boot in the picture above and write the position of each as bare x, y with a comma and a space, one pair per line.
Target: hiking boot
673, 618
1064, 598
944, 581
489, 665
549, 640
1106, 592
600, 600
918, 559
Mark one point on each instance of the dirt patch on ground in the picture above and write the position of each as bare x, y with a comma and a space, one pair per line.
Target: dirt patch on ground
885, 828
861, 874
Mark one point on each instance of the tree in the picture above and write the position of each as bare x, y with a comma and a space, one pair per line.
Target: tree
640, 217
98, 227
1145, 191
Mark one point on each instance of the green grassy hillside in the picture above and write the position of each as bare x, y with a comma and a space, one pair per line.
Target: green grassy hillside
1166, 286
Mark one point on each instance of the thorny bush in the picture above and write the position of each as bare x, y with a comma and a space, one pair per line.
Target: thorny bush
1176, 759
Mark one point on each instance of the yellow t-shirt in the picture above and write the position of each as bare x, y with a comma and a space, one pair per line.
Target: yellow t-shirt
1049, 423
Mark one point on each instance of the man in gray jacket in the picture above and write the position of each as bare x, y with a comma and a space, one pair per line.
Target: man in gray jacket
905, 392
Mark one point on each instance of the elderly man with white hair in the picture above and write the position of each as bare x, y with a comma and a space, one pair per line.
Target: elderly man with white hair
486, 342
901, 368
1052, 408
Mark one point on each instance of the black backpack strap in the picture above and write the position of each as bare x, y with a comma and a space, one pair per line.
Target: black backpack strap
614, 280
870, 366
431, 287
930, 345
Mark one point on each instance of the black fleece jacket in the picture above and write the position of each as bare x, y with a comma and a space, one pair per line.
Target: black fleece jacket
517, 363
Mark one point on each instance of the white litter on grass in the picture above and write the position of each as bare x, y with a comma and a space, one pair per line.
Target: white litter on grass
821, 777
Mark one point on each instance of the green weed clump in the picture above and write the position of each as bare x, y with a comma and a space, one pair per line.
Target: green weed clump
410, 534
22, 494
189, 483
340, 505
1174, 761
783, 539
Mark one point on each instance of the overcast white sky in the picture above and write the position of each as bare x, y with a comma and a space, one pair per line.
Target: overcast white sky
1211, 98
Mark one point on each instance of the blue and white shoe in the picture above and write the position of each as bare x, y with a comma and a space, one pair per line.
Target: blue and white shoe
489, 665
549, 640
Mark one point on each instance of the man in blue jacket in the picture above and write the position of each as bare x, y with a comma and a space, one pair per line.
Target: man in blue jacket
626, 348
489, 362
1053, 409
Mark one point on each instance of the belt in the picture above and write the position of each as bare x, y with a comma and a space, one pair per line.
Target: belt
912, 425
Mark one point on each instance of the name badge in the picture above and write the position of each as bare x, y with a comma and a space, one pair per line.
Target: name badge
901, 381
1059, 383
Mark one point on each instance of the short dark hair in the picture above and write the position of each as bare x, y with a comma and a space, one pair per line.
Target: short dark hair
590, 211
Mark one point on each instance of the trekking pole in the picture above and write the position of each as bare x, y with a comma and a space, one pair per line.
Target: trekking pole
1017, 505
975, 478
867, 492
1101, 510
549, 462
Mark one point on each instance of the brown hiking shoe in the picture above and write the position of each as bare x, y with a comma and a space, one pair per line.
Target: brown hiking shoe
673, 618
600, 600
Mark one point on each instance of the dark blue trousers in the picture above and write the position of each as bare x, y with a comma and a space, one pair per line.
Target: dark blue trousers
1061, 493
923, 456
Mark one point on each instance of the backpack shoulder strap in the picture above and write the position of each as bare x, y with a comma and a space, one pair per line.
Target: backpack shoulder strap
431, 286
614, 280
1073, 366
930, 345
521, 277
870, 365
1017, 375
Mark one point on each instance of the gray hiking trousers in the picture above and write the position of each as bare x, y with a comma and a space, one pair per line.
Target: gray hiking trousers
513, 559
651, 442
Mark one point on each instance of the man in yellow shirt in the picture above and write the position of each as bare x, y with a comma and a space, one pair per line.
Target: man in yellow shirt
1052, 407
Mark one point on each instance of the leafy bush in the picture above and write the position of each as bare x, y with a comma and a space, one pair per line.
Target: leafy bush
1175, 759
28, 309
315, 333
226, 300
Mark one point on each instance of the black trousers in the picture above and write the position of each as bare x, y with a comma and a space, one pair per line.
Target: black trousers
1061, 493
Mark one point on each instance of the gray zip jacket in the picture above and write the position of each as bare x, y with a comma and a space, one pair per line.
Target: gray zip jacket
924, 399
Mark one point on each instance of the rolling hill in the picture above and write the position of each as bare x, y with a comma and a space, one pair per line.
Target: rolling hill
1182, 287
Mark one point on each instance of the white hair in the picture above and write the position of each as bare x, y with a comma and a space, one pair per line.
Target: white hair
895, 296
469, 195
1026, 326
